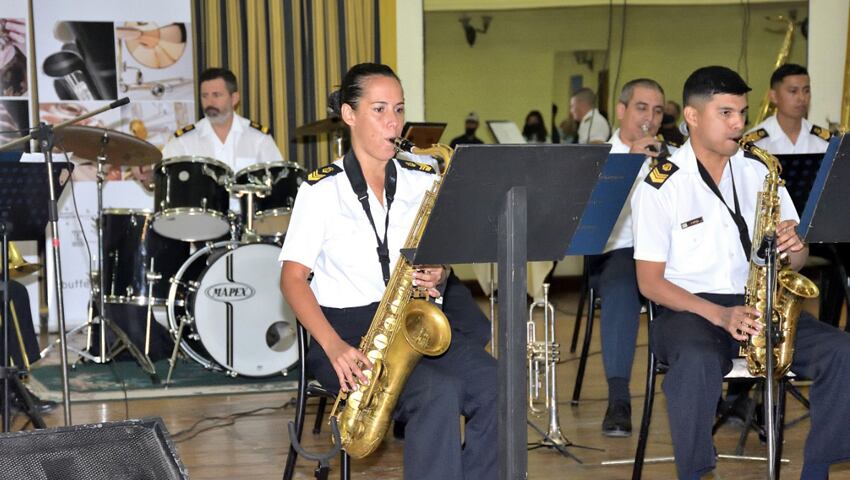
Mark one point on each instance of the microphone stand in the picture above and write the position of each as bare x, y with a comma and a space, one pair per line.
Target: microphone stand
769, 245
44, 134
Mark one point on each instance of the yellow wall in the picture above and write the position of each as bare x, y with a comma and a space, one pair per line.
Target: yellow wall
515, 66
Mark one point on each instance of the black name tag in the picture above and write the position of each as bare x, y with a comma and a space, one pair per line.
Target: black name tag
691, 223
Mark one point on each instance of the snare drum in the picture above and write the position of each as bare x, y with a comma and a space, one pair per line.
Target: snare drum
236, 317
191, 198
271, 211
131, 250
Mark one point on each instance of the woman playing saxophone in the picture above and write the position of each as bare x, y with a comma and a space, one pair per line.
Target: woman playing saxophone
349, 222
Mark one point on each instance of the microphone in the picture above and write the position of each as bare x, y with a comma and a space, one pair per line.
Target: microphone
119, 103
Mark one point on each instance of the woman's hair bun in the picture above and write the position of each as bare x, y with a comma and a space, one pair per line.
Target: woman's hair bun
335, 102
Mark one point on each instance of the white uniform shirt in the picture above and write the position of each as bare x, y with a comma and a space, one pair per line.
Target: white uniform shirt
593, 128
330, 234
244, 145
778, 143
685, 225
621, 234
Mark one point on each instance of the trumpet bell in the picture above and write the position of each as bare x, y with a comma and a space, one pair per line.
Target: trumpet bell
18, 267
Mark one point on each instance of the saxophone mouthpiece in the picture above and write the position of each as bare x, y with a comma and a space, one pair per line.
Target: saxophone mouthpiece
403, 145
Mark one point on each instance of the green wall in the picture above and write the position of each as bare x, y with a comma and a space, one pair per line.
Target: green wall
524, 61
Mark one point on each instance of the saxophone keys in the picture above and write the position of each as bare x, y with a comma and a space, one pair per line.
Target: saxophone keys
380, 341
374, 355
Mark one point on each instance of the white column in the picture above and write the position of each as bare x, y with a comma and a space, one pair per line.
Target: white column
410, 61
827, 50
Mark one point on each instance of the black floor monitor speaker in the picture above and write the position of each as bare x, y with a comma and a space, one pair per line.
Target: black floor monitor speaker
130, 450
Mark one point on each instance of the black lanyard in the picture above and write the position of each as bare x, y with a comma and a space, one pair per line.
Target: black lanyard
743, 231
358, 183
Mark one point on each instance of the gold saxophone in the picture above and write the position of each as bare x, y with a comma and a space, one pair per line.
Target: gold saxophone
405, 327
792, 288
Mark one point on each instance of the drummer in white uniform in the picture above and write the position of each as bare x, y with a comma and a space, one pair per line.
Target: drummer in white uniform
222, 134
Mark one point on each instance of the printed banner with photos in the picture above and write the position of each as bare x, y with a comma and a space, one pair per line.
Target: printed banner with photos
16, 86
86, 58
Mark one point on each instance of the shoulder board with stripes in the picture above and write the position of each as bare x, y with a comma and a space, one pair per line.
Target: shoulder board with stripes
184, 130
323, 172
259, 127
411, 165
755, 136
661, 173
821, 132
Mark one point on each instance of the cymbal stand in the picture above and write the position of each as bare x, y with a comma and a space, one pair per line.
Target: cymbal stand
122, 340
152, 277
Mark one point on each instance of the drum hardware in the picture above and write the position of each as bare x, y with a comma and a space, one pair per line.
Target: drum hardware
152, 278
116, 148
250, 192
544, 356
275, 186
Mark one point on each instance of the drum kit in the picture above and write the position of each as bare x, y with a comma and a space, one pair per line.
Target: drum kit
215, 272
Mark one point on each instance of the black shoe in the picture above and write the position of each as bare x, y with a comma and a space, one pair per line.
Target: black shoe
739, 410
618, 420
41, 406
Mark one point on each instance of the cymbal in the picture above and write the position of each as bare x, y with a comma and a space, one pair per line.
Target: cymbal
326, 125
121, 148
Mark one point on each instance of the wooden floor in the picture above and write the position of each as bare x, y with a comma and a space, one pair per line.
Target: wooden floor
255, 446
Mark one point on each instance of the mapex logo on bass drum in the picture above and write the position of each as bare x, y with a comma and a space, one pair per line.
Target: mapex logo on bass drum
230, 292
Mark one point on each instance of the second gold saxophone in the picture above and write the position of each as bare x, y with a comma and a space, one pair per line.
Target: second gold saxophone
405, 327
791, 291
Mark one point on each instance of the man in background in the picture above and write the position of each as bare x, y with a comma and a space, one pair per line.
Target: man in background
639, 110
788, 130
593, 127
469, 128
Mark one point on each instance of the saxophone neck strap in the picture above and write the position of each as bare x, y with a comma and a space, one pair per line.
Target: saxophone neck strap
361, 189
743, 231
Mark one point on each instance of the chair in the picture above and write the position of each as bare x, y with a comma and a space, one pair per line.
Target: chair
307, 390
655, 367
586, 294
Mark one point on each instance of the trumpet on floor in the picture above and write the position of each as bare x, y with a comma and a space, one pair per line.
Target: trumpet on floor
543, 357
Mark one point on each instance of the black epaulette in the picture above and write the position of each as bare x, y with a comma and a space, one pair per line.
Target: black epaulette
184, 130
323, 172
821, 132
755, 136
259, 127
411, 165
660, 173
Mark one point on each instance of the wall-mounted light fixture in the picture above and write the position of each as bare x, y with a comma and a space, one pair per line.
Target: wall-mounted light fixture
584, 57
470, 31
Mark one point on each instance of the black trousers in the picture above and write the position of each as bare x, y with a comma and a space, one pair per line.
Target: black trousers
20, 303
461, 382
700, 354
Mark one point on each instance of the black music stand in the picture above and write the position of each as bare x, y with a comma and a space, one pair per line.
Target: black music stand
24, 200
493, 201
823, 220
799, 171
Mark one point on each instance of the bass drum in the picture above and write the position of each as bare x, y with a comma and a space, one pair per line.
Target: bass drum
237, 319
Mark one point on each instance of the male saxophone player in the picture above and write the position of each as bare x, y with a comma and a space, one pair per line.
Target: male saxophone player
693, 222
